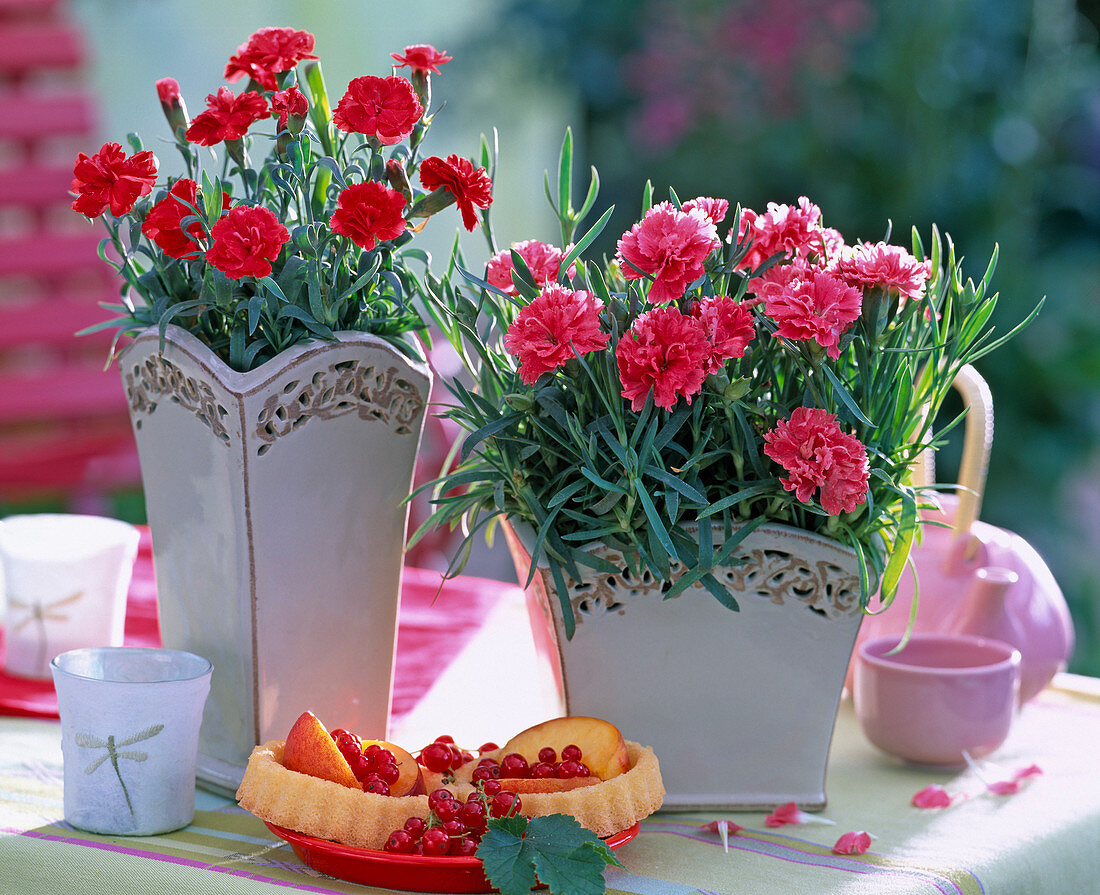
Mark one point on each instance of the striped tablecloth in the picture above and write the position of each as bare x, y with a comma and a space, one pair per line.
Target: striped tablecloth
1045, 839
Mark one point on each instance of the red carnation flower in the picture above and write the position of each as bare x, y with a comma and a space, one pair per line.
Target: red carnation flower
715, 209
287, 104
422, 58
792, 229
543, 260
665, 352
245, 241
558, 324
109, 178
728, 327
818, 308
885, 266
163, 223
817, 453
369, 211
670, 246
227, 117
267, 53
386, 108
457, 175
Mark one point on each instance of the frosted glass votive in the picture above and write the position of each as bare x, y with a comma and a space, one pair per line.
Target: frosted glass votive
65, 578
130, 720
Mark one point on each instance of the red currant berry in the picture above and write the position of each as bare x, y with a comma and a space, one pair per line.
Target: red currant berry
467, 755
415, 827
438, 796
388, 772
505, 804
543, 769
481, 774
385, 756
455, 757
436, 757
569, 769
448, 810
487, 747
376, 784
445, 739
585, 770
571, 753
455, 828
337, 732
400, 842
548, 755
435, 841
492, 787
514, 765
463, 848
473, 814
372, 750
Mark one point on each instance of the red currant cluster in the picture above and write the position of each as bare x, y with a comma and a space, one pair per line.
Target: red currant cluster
443, 756
374, 767
515, 765
453, 827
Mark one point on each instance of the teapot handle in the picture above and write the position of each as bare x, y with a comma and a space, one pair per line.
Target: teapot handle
977, 443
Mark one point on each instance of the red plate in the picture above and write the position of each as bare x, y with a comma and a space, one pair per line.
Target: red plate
414, 873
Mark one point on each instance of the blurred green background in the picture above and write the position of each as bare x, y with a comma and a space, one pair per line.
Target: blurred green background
982, 116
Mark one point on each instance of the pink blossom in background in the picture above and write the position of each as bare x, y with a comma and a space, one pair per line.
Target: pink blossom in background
818, 308
664, 352
729, 327
817, 453
855, 843
792, 229
884, 266
558, 324
714, 209
542, 259
932, 796
670, 246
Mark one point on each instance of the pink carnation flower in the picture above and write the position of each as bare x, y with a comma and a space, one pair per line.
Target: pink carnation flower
817, 453
670, 246
818, 308
543, 260
728, 326
558, 324
792, 229
665, 352
714, 209
885, 266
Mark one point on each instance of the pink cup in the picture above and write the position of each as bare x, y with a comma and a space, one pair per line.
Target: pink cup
940, 695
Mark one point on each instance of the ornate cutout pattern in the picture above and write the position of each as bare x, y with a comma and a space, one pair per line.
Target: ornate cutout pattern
156, 378
346, 387
771, 573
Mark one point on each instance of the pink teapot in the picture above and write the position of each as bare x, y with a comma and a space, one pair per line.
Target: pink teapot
975, 578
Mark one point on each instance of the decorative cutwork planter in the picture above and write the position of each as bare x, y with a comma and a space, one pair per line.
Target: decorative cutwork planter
275, 503
739, 706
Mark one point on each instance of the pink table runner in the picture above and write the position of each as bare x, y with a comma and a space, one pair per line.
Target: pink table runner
431, 631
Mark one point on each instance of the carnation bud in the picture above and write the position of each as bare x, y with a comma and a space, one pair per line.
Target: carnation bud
434, 202
291, 107
399, 179
518, 402
735, 390
171, 103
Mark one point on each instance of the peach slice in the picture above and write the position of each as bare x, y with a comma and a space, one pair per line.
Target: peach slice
411, 781
524, 785
311, 750
602, 746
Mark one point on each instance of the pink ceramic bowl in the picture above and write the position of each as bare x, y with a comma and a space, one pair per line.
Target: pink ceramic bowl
940, 695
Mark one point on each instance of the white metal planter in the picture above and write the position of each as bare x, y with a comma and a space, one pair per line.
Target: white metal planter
739, 706
275, 503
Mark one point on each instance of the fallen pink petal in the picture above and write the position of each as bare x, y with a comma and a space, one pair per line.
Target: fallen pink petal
1032, 770
725, 829
934, 796
855, 843
1004, 787
790, 813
